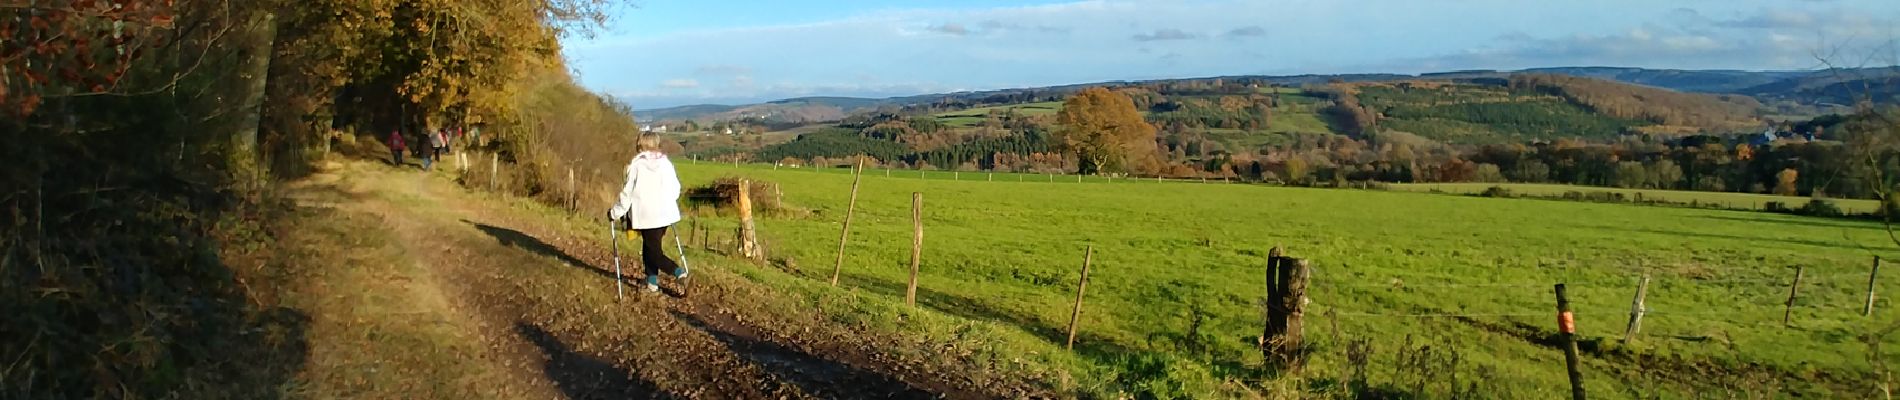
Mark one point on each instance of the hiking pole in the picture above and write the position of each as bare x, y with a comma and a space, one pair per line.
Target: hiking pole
619, 282
682, 250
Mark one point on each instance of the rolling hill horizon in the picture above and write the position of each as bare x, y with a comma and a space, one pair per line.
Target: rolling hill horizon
1797, 86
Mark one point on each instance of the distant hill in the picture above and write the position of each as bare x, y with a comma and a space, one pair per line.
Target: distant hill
795, 110
681, 112
1806, 88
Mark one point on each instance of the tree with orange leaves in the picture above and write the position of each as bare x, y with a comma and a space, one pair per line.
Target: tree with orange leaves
1105, 132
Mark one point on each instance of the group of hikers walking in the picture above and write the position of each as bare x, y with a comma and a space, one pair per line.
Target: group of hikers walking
438, 141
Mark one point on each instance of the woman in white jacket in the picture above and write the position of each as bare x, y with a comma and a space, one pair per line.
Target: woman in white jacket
648, 205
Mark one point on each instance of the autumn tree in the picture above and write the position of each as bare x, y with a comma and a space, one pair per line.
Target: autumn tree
1785, 182
1105, 131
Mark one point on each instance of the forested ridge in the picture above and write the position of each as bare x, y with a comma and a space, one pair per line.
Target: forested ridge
1532, 128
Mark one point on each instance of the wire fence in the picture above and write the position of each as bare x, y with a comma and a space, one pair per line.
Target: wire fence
1776, 291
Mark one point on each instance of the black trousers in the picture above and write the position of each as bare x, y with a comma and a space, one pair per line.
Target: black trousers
653, 251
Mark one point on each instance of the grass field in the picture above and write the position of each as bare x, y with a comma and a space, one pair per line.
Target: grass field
1725, 199
975, 116
1463, 283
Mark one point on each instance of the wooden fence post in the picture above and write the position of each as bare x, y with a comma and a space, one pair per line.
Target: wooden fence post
844, 233
748, 236
1567, 326
1293, 273
1081, 286
1273, 294
1871, 276
1636, 309
916, 245
1286, 308
494, 170
1787, 313
573, 195
990, 177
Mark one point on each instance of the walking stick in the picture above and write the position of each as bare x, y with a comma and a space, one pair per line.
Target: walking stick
682, 250
619, 281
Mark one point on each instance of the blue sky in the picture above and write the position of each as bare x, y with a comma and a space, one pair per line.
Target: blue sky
673, 52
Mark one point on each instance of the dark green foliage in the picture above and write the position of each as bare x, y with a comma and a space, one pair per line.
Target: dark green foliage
1495, 191
983, 151
832, 143
1485, 114
1820, 208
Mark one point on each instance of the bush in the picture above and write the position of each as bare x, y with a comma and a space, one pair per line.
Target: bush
724, 193
1496, 191
1820, 208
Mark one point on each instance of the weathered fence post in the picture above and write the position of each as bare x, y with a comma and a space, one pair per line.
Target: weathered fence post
1636, 309
1293, 300
844, 233
748, 236
1567, 326
573, 194
1273, 293
1871, 276
1081, 286
916, 245
1787, 313
991, 176
494, 170
1286, 308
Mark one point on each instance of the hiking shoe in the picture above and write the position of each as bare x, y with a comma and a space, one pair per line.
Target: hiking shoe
680, 273
652, 288
653, 283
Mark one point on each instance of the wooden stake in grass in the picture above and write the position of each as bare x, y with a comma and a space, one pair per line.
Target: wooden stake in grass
1794, 289
1081, 285
573, 195
844, 233
916, 245
494, 170
748, 237
1567, 326
1293, 273
1871, 276
1636, 309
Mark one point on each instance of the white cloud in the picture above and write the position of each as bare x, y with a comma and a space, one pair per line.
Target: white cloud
679, 83
1165, 34
1245, 32
951, 29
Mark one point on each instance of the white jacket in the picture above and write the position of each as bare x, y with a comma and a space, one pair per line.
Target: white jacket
651, 197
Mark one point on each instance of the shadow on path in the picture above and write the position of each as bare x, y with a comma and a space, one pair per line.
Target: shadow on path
812, 374
516, 239
580, 376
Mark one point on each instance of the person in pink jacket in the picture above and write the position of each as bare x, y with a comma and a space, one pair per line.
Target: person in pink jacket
648, 205
396, 146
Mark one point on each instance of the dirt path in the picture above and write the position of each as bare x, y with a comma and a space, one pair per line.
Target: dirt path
539, 300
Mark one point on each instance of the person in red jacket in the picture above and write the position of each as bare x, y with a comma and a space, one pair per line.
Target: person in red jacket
396, 146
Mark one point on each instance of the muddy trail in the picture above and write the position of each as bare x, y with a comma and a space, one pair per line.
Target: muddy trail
540, 300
